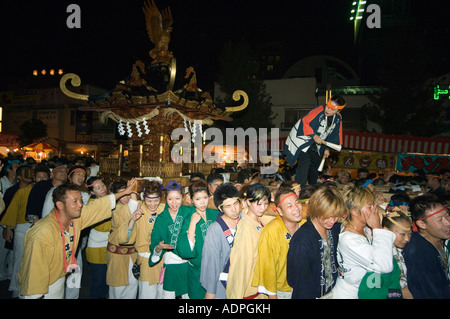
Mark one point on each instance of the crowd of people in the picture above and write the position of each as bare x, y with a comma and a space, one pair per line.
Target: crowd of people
253, 237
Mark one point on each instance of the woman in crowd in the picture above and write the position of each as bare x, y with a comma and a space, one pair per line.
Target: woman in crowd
245, 249
97, 242
120, 255
392, 285
164, 241
398, 220
192, 236
151, 207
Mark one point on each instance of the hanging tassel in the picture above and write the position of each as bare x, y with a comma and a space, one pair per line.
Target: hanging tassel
120, 128
144, 123
130, 132
138, 129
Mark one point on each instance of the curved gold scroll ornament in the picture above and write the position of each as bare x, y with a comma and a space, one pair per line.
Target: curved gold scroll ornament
75, 81
237, 95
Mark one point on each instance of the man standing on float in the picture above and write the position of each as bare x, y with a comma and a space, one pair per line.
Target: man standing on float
305, 141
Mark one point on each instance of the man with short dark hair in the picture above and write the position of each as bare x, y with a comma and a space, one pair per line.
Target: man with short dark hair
213, 180
425, 256
50, 244
218, 242
244, 176
270, 268
15, 218
37, 195
434, 183
195, 176
59, 176
305, 141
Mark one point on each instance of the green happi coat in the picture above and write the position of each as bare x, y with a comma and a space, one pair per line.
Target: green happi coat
175, 268
381, 286
194, 256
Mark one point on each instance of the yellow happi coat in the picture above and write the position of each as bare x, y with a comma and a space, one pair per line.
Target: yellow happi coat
43, 257
243, 257
15, 214
118, 262
96, 254
140, 236
270, 269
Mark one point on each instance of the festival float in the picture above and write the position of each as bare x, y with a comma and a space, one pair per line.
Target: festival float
147, 108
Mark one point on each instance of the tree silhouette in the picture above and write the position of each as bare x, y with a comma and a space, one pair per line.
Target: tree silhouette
31, 130
237, 71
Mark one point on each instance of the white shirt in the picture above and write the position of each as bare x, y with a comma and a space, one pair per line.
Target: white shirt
49, 205
357, 254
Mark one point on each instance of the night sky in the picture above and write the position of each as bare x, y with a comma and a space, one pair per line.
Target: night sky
112, 37
34, 34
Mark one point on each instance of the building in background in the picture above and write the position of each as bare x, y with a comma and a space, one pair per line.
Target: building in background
69, 130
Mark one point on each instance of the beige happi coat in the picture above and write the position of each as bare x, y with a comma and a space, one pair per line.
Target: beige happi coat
243, 257
119, 251
43, 257
140, 236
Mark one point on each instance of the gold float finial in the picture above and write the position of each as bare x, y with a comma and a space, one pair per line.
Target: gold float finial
75, 81
237, 95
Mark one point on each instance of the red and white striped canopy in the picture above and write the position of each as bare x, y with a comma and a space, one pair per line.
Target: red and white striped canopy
371, 142
395, 143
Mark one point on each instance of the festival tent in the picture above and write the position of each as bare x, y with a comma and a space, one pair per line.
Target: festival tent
40, 147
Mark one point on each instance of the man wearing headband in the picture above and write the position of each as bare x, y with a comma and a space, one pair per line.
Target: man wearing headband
305, 141
270, 268
400, 200
425, 256
434, 184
